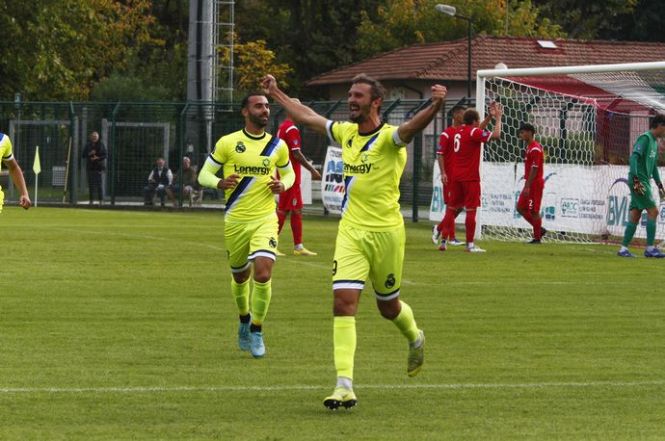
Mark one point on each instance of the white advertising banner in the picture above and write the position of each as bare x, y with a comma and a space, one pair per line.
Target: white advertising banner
576, 199
332, 181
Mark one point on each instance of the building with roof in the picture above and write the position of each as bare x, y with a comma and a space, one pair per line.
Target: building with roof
408, 73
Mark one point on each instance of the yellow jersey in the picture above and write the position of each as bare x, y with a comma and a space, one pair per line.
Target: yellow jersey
373, 165
6, 153
254, 159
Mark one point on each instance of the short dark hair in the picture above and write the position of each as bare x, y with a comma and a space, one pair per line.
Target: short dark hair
527, 127
377, 90
658, 120
245, 100
471, 116
457, 108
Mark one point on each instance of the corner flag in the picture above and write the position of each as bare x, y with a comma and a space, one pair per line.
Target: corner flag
37, 165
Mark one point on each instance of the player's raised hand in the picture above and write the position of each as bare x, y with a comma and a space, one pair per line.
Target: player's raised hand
229, 182
316, 176
495, 109
269, 84
438, 93
276, 186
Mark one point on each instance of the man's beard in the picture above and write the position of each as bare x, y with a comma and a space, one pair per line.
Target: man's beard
257, 121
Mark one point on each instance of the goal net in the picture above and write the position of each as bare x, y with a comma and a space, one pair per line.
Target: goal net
587, 119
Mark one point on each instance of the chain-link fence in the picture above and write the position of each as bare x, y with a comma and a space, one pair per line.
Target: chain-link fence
136, 134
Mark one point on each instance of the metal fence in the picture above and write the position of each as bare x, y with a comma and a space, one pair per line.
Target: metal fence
135, 134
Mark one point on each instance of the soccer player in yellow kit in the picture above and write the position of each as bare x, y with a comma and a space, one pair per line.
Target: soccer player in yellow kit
248, 159
371, 237
14, 171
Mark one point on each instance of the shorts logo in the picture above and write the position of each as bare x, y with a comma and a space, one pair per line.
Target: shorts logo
390, 281
266, 162
294, 201
272, 242
240, 147
334, 271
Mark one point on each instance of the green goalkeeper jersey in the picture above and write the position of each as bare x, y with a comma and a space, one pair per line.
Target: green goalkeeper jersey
644, 159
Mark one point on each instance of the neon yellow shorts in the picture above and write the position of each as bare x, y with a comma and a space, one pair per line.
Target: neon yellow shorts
378, 255
248, 240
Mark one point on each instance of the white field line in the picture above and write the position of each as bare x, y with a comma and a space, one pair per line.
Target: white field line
305, 387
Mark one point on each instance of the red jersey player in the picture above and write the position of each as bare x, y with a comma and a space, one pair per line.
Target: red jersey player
291, 200
528, 204
444, 156
467, 147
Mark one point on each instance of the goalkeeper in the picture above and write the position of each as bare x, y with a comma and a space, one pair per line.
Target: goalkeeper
643, 167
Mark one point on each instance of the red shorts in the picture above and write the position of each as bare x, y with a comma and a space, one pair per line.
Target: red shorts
533, 201
290, 200
465, 194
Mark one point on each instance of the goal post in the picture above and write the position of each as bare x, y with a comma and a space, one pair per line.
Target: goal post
587, 119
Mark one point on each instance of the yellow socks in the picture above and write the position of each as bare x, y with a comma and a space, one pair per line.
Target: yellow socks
260, 301
406, 323
344, 339
240, 293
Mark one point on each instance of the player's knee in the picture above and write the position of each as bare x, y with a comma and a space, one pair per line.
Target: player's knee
389, 309
263, 275
241, 277
344, 306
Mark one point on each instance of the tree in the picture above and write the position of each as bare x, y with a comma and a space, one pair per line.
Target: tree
403, 22
253, 61
59, 48
590, 18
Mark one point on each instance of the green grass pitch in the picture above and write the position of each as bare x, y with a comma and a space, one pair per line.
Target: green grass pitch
118, 325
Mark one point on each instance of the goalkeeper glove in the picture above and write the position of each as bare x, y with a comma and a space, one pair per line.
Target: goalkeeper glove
638, 187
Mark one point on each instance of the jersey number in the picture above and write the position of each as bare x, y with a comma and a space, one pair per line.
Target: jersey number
456, 142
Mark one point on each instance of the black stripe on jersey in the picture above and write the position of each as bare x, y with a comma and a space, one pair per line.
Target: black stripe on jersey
270, 147
368, 143
7, 157
282, 166
347, 181
242, 185
214, 160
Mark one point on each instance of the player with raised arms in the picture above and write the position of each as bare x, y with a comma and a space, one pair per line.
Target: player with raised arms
467, 146
643, 168
248, 159
7, 158
528, 204
371, 236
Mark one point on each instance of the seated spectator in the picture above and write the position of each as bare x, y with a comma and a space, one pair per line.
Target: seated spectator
191, 190
160, 181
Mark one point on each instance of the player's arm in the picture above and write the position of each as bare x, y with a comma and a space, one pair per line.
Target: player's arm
659, 183
444, 144
305, 163
286, 179
441, 161
408, 130
485, 122
208, 175
496, 111
529, 180
300, 113
633, 161
17, 177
